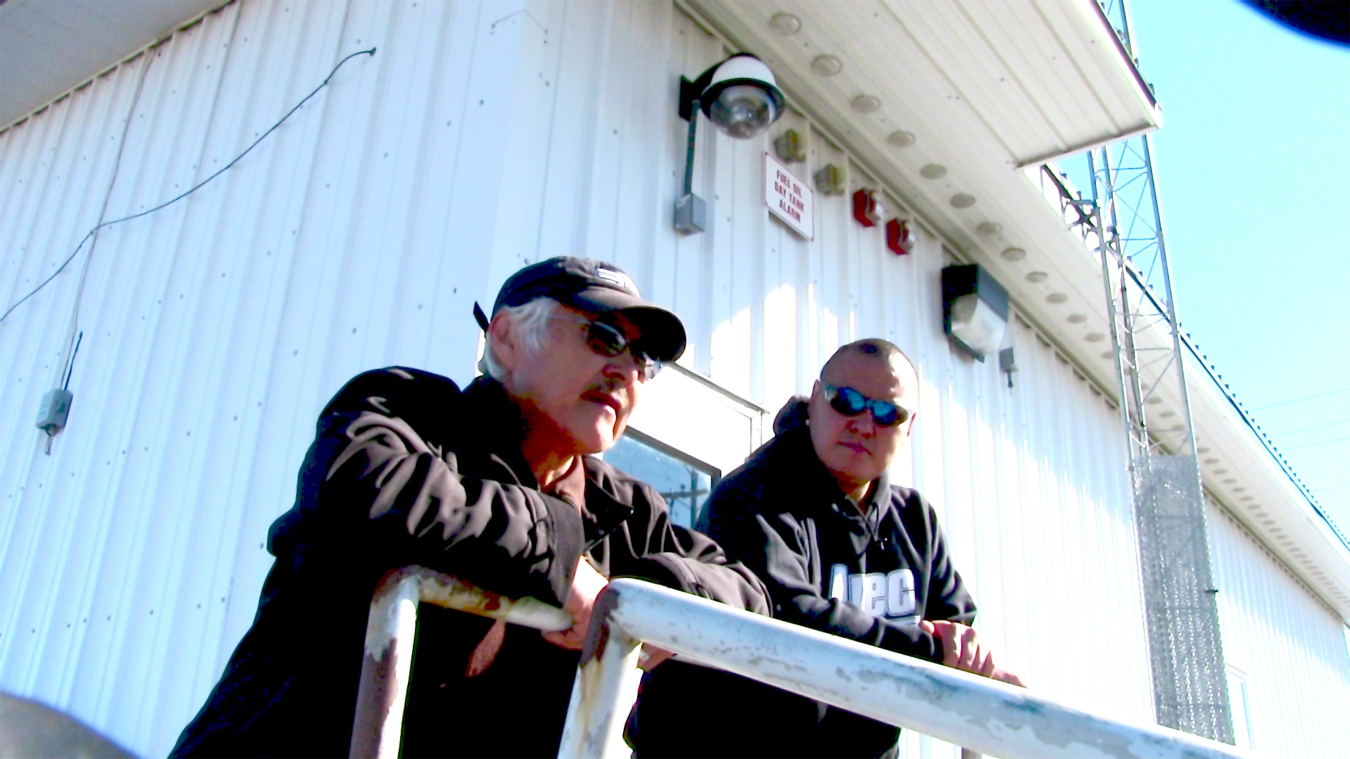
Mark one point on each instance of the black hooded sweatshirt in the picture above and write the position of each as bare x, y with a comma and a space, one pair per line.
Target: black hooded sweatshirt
407, 469
869, 578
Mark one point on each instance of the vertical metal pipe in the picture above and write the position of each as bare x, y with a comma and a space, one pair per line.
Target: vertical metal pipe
1171, 299
1113, 322
689, 149
1132, 390
377, 729
391, 628
605, 688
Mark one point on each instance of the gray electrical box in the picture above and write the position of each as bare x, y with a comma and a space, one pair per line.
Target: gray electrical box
1007, 363
691, 215
54, 410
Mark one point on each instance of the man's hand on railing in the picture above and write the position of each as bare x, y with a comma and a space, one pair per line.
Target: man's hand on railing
963, 650
1003, 675
586, 585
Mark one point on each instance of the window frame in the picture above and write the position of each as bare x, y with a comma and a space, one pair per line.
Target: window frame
714, 473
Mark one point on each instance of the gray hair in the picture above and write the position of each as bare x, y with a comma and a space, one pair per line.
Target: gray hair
531, 324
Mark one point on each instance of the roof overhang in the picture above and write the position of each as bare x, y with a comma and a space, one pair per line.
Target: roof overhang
1024, 82
983, 86
48, 47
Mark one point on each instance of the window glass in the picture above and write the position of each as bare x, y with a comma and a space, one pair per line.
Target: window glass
682, 480
1237, 700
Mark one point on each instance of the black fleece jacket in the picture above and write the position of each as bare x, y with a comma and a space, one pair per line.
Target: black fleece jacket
869, 578
407, 469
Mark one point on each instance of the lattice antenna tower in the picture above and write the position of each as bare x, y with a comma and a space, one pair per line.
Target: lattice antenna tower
1181, 612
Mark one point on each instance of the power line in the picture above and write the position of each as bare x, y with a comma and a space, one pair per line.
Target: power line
1305, 398
198, 186
1313, 445
1314, 427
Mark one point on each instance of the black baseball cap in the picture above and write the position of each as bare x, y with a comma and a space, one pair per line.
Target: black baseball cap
595, 286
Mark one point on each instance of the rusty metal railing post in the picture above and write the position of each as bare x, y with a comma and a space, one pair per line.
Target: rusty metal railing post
377, 729
605, 688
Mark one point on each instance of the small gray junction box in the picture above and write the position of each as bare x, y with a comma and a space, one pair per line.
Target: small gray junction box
54, 410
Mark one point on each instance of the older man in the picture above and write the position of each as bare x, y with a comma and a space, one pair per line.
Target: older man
493, 484
842, 550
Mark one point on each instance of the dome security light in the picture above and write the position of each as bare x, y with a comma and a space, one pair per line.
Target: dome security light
740, 97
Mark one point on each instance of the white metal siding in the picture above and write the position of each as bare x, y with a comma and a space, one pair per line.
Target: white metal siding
1290, 648
480, 136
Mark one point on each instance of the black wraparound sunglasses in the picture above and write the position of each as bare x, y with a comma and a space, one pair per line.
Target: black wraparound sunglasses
850, 402
608, 340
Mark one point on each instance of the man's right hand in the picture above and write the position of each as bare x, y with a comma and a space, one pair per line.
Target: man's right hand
1003, 675
586, 585
962, 649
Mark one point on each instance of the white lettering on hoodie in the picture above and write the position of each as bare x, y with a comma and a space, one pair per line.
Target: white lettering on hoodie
889, 595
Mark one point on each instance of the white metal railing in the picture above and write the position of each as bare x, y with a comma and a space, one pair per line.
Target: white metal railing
377, 729
975, 712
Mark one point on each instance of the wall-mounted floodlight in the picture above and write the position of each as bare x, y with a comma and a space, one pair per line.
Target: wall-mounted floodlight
740, 97
974, 309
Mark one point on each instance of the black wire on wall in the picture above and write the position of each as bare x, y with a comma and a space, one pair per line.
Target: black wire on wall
188, 192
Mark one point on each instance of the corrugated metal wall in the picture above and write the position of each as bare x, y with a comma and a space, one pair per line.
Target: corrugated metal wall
479, 136
1289, 648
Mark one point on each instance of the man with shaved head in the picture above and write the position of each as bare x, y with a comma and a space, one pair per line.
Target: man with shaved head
842, 550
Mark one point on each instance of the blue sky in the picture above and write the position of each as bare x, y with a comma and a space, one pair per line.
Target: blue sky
1251, 167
